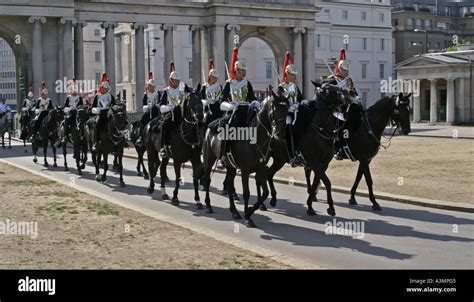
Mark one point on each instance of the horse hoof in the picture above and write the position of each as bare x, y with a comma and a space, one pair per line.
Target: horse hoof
66, 169
273, 202
46, 165
352, 201
376, 207
121, 184
103, 178
165, 197
263, 207
146, 177
98, 178
209, 209
236, 216
331, 211
80, 172
150, 190
55, 165
236, 197
83, 166
35, 160
199, 206
139, 174
311, 212
250, 223
175, 202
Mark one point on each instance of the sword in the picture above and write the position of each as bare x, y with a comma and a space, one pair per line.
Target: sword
332, 73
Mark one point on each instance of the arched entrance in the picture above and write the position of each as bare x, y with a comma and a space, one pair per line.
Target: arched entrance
16, 72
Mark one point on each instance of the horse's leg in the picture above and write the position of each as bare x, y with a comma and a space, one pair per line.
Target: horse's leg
163, 177
197, 175
360, 172
260, 177
84, 154
163, 172
152, 168
77, 156
45, 150
311, 193
139, 173
53, 146
34, 147
64, 155
106, 166
275, 167
177, 172
259, 194
321, 173
24, 145
368, 180
229, 179
120, 167
246, 195
307, 174
145, 172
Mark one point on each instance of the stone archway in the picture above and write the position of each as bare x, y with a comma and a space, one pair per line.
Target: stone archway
21, 62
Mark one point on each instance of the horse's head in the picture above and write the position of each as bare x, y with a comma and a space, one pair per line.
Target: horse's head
276, 110
81, 118
331, 95
193, 111
118, 117
56, 115
401, 113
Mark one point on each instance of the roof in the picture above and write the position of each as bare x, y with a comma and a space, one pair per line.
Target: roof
440, 58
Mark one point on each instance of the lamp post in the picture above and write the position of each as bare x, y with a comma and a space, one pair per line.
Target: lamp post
148, 51
420, 44
426, 37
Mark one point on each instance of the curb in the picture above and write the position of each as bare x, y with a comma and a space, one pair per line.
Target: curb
424, 202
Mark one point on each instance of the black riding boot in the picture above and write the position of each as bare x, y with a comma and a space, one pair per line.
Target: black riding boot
96, 135
296, 159
221, 160
139, 141
164, 151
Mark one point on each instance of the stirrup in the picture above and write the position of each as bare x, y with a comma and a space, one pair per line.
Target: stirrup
338, 156
164, 152
139, 142
220, 164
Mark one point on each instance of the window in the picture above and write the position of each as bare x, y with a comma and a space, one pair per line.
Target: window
428, 24
97, 77
382, 71
364, 71
382, 44
97, 55
364, 43
381, 17
190, 69
395, 22
438, 45
363, 16
268, 69
364, 96
345, 14
419, 23
97, 32
410, 23
318, 40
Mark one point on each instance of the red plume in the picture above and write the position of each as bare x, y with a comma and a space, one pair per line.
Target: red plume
43, 85
211, 66
104, 78
150, 75
235, 53
342, 56
286, 62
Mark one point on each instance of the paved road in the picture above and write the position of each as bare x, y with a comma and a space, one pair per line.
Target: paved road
401, 236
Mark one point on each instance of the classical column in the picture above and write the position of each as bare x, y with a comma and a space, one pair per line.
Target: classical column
298, 52
232, 32
118, 58
37, 52
417, 108
109, 53
308, 61
68, 69
79, 49
450, 113
169, 48
433, 101
218, 49
139, 63
197, 66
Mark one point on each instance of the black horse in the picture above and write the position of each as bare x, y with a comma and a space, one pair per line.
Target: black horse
47, 133
5, 128
185, 143
112, 140
77, 137
26, 127
249, 157
134, 134
364, 140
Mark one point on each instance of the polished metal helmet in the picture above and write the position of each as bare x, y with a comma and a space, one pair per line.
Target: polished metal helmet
240, 65
291, 68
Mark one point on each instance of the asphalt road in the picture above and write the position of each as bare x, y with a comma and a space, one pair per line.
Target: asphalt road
400, 236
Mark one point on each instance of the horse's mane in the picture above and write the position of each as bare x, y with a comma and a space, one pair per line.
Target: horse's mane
382, 103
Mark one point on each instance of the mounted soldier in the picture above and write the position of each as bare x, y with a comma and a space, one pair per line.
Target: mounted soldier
71, 104
293, 93
210, 94
237, 93
341, 79
170, 107
151, 102
27, 111
103, 100
43, 105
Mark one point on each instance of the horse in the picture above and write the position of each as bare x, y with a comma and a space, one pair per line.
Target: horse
134, 134
47, 132
364, 141
249, 157
5, 128
77, 137
112, 140
26, 129
185, 143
